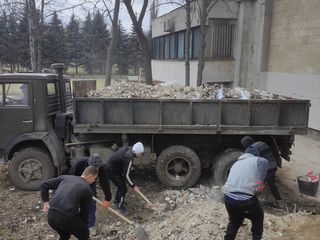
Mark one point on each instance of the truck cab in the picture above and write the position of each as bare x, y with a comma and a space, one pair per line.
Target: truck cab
31, 140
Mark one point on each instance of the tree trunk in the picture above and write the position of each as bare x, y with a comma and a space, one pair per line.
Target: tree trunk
137, 24
187, 45
39, 38
114, 40
32, 12
203, 17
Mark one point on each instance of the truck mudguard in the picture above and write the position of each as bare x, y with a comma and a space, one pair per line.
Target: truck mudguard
49, 139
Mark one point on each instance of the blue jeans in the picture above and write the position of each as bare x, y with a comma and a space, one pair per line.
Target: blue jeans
92, 208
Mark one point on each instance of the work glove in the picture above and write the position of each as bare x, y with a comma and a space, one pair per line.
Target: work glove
105, 204
260, 187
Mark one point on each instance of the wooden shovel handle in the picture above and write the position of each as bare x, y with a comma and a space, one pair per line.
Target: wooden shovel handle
114, 211
144, 197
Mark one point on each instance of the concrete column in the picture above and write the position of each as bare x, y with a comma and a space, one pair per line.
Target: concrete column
242, 46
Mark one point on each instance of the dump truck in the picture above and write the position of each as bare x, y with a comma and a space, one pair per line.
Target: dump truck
41, 137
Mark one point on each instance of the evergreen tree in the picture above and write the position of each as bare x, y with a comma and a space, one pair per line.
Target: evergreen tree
72, 42
121, 56
12, 31
54, 50
135, 56
101, 38
86, 45
3, 38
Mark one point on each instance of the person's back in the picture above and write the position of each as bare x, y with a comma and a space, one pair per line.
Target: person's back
120, 160
70, 194
266, 152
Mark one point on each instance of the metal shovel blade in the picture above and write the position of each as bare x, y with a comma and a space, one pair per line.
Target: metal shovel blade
141, 234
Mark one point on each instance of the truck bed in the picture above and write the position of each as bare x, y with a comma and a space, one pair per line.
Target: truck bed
171, 116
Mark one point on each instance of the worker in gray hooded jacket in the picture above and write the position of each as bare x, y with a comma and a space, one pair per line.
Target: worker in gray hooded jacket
267, 153
244, 182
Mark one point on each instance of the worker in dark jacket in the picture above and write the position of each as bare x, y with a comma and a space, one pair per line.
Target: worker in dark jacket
118, 169
68, 209
77, 169
244, 182
267, 153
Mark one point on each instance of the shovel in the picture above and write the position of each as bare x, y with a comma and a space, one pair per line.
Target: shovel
158, 207
144, 197
140, 233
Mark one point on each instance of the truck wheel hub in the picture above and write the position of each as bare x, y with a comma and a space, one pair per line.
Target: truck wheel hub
31, 170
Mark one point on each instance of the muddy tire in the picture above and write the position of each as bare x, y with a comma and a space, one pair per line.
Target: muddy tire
223, 163
178, 167
29, 167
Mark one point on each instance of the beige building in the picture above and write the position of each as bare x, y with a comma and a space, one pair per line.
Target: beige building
272, 45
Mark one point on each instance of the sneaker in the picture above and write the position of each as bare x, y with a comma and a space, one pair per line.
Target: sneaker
116, 203
92, 231
122, 210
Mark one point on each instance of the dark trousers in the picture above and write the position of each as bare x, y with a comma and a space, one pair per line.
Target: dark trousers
271, 180
92, 207
238, 211
121, 185
68, 225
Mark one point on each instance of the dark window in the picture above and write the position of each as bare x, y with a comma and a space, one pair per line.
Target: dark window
180, 45
222, 38
172, 46
166, 47
157, 48
161, 48
196, 43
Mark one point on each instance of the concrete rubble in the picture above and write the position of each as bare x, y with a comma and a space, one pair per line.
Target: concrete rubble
173, 91
199, 213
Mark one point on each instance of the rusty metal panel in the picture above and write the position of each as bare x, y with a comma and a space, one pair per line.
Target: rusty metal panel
234, 113
117, 112
146, 112
293, 114
206, 113
90, 112
176, 113
264, 114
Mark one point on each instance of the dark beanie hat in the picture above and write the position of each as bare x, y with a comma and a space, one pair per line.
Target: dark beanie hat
95, 160
246, 141
253, 150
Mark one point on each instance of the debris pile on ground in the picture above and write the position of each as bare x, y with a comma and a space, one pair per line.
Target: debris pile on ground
174, 91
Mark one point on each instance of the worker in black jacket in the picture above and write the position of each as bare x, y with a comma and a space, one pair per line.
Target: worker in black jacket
68, 209
77, 169
118, 169
267, 153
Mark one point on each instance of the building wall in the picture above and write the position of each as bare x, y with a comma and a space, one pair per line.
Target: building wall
174, 71
178, 16
294, 53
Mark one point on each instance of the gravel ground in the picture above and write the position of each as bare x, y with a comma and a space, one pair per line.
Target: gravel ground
195, 213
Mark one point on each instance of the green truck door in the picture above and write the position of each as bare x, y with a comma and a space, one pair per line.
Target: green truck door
16, 110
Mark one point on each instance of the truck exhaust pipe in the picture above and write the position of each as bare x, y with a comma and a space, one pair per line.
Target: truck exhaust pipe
59, 68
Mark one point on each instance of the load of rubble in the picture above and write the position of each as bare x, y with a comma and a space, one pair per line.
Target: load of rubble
173, 91
199, 213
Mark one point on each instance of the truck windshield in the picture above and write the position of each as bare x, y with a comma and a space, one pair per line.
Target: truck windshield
16, 94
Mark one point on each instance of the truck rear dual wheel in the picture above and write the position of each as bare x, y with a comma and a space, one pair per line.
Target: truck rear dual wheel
178, 167
223, 163
29, 167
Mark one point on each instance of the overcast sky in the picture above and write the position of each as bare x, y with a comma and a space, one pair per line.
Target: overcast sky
81, 11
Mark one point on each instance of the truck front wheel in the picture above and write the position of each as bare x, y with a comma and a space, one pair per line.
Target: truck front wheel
178, 167
223, 163
29, 167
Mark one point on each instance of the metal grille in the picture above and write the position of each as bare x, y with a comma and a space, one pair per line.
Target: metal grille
222, 40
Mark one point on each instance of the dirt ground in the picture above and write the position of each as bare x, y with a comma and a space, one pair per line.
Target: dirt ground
196, 213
